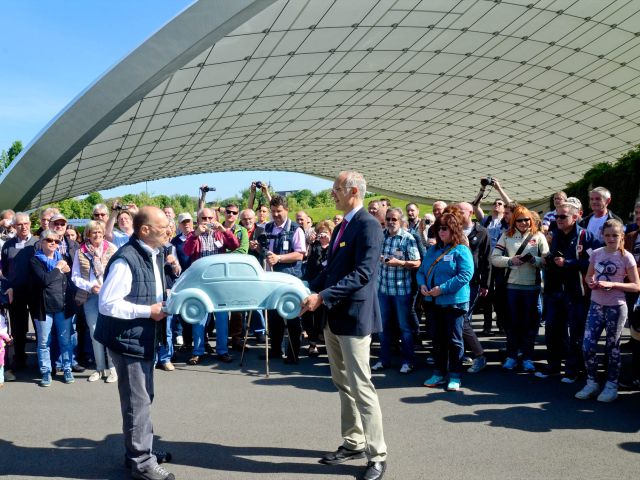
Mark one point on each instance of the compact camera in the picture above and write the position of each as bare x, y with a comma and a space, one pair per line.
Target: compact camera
208, 189
259, 185
487, 181
122, 207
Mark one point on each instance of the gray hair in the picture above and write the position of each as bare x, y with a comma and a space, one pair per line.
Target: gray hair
49, 233
603, 192
100, 206
571, 207
575, 202
94, 225
21, 214
355, 179
397, 211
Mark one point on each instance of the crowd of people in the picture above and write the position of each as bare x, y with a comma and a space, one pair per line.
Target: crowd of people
575, 274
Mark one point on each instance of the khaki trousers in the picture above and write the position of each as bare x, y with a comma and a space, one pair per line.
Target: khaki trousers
361, 418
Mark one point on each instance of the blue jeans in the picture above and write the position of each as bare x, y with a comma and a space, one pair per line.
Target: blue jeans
176, 325
448, 347
222, 334
165, 353
63, 329
54, 348
257, 322
398, 308
523, 323
100, 354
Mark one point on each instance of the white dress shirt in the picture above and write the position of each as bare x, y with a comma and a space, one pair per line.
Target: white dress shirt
117, 285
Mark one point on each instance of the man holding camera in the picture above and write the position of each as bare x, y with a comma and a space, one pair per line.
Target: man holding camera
285, 252
210, 237
566, 296
263, 210
123, 215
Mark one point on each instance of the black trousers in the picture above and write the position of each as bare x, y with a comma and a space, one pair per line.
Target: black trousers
19, 321
276, 334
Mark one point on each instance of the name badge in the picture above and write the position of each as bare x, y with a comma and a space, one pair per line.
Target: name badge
20, 245
448, 258
324, 263
342, 244
285, 245
217, 243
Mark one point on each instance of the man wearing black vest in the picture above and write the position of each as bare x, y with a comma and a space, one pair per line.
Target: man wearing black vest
131, 325
285, 252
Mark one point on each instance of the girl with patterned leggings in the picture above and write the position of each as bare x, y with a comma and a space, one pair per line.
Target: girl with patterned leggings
608, 267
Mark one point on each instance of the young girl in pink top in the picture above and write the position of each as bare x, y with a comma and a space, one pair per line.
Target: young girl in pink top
5, 339
608, 267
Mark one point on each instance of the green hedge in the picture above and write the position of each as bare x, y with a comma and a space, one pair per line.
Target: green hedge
622, 178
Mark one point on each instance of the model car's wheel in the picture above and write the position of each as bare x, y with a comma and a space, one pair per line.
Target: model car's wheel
288, 306
193, 310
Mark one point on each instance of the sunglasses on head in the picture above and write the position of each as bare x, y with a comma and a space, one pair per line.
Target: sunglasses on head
51, 240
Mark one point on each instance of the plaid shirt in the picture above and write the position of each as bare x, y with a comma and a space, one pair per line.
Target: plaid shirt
397, 280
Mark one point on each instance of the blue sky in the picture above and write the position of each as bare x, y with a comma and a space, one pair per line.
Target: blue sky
51, 50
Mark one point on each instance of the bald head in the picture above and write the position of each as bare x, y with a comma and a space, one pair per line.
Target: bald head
151, 225
467, 211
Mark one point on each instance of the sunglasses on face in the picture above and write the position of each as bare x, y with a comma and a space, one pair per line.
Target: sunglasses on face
99, 214
393, 219
207, 218
562, 217
231, 212
51, 240
523, 220
443, 228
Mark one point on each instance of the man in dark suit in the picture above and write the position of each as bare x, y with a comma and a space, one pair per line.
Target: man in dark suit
347, 288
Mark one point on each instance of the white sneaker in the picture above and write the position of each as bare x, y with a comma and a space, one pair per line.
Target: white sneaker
609, 393
378, 366
590, 390
112, 377
9, 376
510, 363
406, 368
179, 340
94, 377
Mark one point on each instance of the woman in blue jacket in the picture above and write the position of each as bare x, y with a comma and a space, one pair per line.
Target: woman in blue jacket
443, 279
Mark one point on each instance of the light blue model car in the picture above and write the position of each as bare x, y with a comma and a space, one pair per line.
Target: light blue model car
233, 282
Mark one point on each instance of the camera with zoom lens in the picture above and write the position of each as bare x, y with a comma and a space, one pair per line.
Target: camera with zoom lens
487, 181
258, 184
263, 241
208, 189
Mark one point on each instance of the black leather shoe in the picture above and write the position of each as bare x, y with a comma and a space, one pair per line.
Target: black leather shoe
225, 358
374, 471
161, 457
77, 368
341, 455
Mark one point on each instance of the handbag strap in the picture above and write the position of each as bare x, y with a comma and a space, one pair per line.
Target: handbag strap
436, 261
518, 252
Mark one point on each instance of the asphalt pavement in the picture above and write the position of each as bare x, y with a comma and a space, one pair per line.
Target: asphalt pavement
223, 421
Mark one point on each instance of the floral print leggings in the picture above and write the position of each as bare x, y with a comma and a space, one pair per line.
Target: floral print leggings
611, 319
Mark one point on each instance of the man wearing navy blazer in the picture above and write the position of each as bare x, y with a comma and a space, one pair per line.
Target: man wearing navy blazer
347, 288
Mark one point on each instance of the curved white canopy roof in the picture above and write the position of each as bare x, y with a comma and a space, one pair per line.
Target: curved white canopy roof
423, 97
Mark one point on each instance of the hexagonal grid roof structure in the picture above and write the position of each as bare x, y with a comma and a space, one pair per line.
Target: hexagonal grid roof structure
423, 97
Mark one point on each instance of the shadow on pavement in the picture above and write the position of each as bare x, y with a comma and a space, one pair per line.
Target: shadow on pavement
88, 459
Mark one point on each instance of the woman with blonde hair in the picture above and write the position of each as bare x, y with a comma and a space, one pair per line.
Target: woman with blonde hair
87, 274
520, 250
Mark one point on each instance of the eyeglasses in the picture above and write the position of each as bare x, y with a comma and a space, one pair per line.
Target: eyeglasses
393, 219
336, 190
99, 214
523, 220
231, 212
498, 203
562, 217
59, 224
443, 228
51, 240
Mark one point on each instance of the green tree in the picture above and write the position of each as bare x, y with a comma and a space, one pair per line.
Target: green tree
6, 157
